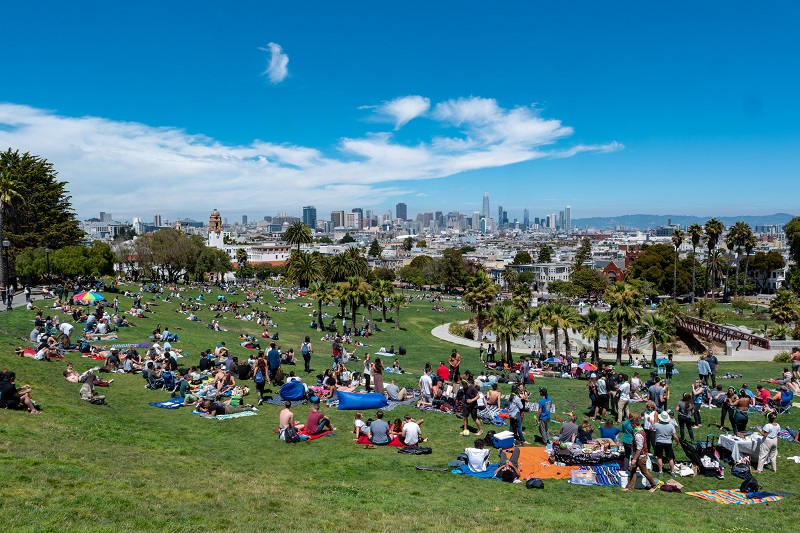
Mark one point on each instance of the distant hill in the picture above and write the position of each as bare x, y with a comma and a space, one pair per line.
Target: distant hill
643, 222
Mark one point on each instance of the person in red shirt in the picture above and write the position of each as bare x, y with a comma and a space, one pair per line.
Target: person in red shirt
443, 372
762, 394
317, 422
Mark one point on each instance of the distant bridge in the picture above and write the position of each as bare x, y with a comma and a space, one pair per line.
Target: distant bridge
719, 333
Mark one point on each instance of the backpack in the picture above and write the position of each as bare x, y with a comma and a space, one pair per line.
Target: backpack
259, 377
304, 349
291, 435
535, 483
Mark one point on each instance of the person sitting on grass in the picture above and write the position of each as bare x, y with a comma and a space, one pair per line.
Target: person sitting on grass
318, 422
285, 419
477, 457
73, 377
379, 431
585, 432
359, 426
411, 434
12, 397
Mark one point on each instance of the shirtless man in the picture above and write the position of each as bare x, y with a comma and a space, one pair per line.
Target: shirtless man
285, 419
73, 377
493, 397
455, 362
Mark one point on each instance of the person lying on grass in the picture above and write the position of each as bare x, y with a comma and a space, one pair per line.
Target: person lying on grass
214, 408
74, 377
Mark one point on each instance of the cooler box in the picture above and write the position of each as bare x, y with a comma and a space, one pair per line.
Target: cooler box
641, 481
583, 477
503, 440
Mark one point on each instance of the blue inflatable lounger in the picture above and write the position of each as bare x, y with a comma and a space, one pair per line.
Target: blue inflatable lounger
350, 401
293, 391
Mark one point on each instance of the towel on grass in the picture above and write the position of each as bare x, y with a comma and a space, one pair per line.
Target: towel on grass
233, 415
735, 497
466, 471
172, 403
605, 475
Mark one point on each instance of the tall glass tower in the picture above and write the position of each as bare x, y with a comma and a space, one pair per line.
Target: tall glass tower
486, 213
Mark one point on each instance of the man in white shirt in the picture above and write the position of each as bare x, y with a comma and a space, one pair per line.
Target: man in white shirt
411, 431
426, 389
66, 329
624, 390
477, 457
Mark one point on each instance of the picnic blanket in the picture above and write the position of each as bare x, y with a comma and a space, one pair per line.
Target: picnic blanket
605, 475
534, 461
363, 439
276, 400
172, 403
735, 497
466, 471
305, 436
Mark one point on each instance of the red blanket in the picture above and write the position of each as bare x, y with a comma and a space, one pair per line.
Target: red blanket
306, 436
363, 439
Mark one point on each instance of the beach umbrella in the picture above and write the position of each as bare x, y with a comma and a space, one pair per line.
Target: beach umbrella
588, 367
88, 296
553, 360
661, 361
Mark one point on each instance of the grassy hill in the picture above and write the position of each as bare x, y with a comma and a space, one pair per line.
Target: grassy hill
130, 466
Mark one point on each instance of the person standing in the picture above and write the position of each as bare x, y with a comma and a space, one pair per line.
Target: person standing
686, 415
377, 375
639, 459
306, 350
515, 414
795, 359
703, 370
713, 365
273, 362
545, 403
769, 447
425, 389
490, 353
455, 363
624, 394
471, 395
669, 367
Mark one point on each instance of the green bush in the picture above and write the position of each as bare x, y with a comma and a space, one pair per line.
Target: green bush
456, 329
782, 357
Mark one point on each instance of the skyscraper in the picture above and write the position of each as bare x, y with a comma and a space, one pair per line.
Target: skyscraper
310, 216
499, 215
401, 211
568, 219
486, 213
526, 218
337, 218
157, 221
476, 220
552, 223
244, 220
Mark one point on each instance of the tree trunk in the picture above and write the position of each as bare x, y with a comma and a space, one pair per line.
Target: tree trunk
619, 344
737, 275
397, 319
319, 314
596, 353
555, 342
654, 351
694, 264
567, 347
384, 311
369, 312
480, 324
746, 271
354, 309
675, 275
542, 340
509, 356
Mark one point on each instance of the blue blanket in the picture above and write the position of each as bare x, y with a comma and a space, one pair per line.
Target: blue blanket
487, 474
172, 403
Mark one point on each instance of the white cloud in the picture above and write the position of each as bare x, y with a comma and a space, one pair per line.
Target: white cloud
278, 63
402, 110
132, 169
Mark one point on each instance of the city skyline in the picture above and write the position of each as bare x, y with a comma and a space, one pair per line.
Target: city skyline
613, 109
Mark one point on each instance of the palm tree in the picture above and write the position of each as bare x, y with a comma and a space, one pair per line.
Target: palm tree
677, 239
672, 311
304, 268
10, 193
740, 232
594, 325
713, 229
695, 234
298, 233
715, 266
359, 266
385, 290
625, 312
354, 291
396, 302
784, 308
324, 294
534, 318
479, 294
506, 321
779, 332
566, 318
749, 244
374, 301
658, 329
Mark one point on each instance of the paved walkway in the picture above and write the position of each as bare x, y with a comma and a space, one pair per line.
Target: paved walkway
442, 332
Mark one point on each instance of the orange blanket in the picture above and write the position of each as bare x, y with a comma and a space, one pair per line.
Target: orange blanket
534, 462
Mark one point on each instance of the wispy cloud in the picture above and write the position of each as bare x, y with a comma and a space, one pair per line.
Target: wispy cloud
402, 110
131, 169
278, 62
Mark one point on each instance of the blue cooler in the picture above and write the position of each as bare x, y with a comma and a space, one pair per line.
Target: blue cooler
503, 440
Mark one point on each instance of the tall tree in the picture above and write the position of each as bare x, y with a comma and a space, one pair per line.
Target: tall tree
625, 312
696, 235
506, 321
715, 266
385, 290
534, 317
241, 260
324, 294
397, 302
784, 308
374, 249
522, 258
738, 235
713, 231
657, 329
479, 295
594, 325
583, 254
749, 242
545, 254
9, 195
304, 268
297, 234
44, 216
677, 240
354, 291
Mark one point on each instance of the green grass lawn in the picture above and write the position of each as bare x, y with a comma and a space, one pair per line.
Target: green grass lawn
130, 466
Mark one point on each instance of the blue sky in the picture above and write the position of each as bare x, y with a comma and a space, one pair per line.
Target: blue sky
612, 108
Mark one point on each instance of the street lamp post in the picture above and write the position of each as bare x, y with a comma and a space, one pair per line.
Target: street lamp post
9, 292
